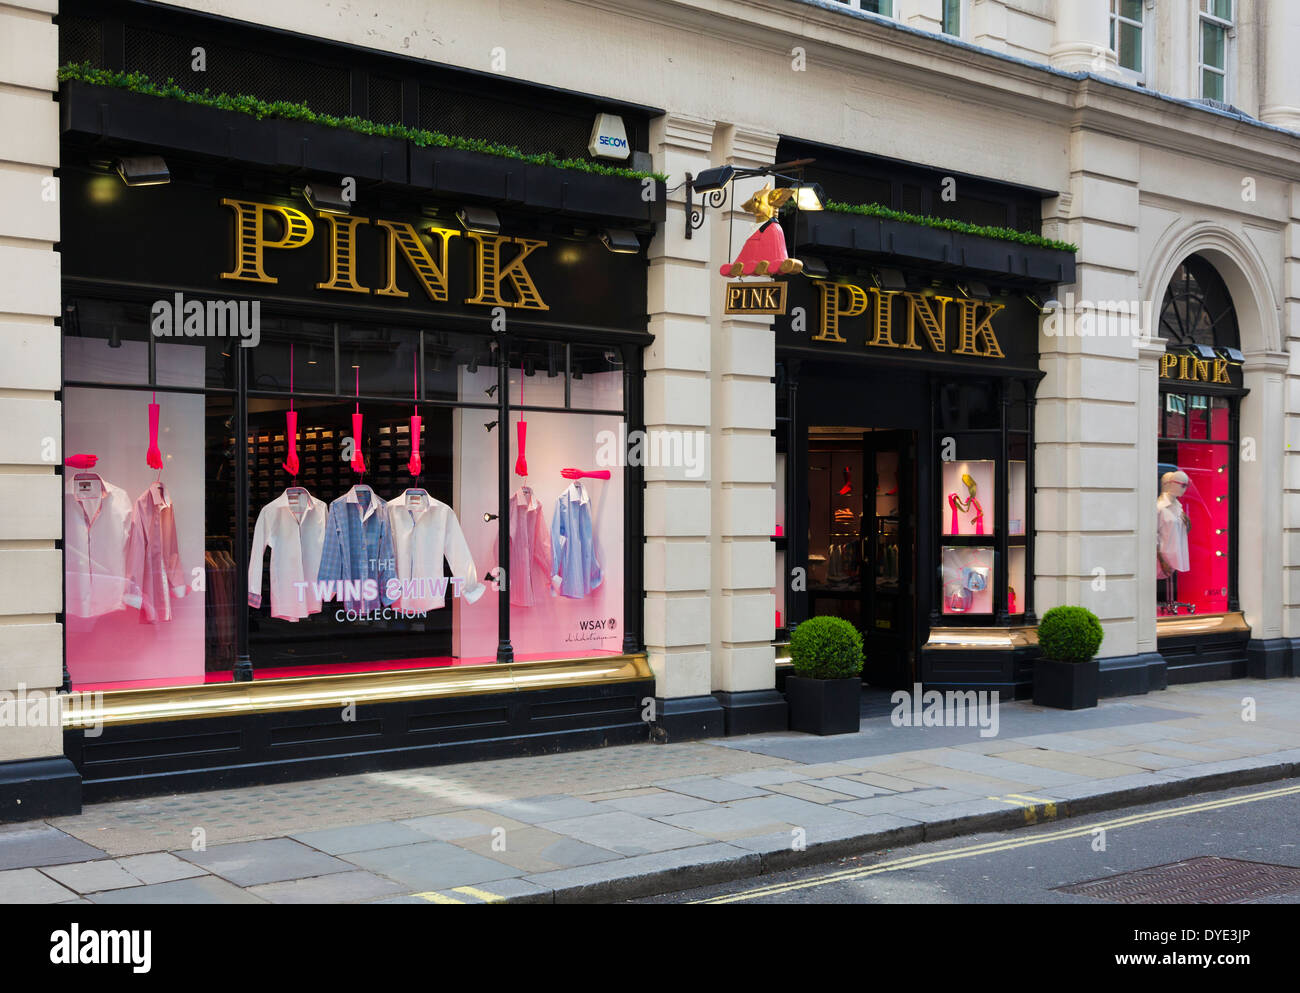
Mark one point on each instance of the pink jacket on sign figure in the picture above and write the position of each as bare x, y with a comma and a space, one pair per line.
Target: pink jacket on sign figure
154, 574
764, 252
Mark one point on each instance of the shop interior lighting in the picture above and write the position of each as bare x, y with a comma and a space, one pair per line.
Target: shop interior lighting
488, 518
530, 367
472, 365
143, 170
490, 425
326, 199
620, 241
552, 365
480, 220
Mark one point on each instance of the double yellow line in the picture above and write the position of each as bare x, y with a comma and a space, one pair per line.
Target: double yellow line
914, 861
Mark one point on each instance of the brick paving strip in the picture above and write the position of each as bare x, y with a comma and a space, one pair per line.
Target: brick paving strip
618, 823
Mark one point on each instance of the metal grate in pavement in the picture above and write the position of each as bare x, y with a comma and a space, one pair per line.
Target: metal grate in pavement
1204, 879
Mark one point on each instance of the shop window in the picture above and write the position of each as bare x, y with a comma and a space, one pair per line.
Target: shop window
984, 500
1196, 514
155, 592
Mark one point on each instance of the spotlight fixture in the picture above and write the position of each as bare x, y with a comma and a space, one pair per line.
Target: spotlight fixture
552, 364
1234, 355
892, 279
326, 199
715, 184
490, 425
815, 268
713, 179
114, 337
577, 371
488, 518
143, 170
1205, 351
472, 365
620, 241
491, 389
809, 196
479, 219
530, 367
974, 291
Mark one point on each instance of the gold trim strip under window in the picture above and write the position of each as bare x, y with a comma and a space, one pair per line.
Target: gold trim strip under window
174, 703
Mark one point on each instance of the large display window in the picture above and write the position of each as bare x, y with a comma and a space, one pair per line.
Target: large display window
983, 506
368, 538
1196, 471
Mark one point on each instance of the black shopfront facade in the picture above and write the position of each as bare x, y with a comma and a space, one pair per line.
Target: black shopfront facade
907, 370
285, 340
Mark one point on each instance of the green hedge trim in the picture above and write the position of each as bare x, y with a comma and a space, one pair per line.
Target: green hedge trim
946, 224
138, 82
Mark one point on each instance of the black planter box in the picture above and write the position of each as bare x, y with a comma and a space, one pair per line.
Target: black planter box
159, 122
339, 151
986, 254
1066, 685
824, 706
456, 172
830, 231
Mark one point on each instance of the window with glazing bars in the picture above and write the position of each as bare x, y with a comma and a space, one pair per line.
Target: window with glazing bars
1216, 31
1126, 24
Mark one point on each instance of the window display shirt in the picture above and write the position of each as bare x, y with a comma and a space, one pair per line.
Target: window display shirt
96, 525
293, 526
574, 569
1171, 538
424, 532
530, 549
358, 546
154, 572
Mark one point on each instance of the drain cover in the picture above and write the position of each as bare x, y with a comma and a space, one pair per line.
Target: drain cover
1205, 879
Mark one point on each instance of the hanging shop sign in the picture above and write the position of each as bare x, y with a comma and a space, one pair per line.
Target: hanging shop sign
1191, 368
755, 298
204, 239
846, 318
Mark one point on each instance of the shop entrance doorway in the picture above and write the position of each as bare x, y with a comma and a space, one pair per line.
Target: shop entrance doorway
861, 487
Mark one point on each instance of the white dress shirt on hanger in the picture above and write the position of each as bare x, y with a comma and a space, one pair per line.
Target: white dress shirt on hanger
293, 525
425, 531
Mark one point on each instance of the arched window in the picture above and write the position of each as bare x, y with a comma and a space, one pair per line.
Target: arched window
1198, 309
1200, 392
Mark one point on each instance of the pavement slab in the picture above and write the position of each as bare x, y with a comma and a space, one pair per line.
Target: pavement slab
201, 889
91, 877
432, 865
159, 867
26, 845
341, 887
627, 834
270, 861
534, 849
32, 886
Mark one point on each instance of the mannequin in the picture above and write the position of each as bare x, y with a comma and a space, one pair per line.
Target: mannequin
1172, 526
966, 505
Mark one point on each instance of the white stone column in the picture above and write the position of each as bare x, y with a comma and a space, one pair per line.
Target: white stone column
1082, 40
31, 580
1279, 36
1148, 434
1291, 435
678, 575
743, 496
1089, 425
1259, 513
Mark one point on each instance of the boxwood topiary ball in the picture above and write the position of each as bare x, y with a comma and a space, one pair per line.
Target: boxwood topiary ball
826, 648
1069, 634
